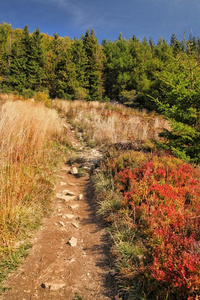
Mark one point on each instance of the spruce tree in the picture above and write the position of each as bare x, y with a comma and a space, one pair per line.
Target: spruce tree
94, 67
175, 44
118, 65
179, 100
80, 60
19, 61
5, 52
36, 60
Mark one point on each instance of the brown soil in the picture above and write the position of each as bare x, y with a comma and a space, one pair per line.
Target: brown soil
56, 270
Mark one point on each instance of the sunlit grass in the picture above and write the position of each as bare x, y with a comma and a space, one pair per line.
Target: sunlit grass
30, 154
105, 124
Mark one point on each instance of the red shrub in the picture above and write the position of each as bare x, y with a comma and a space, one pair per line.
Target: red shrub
164, 193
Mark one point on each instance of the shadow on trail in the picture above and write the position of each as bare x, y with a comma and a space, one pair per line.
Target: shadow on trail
102, 249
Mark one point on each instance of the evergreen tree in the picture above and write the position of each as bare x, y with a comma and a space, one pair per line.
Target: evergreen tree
53, 58
175, 44
94, 67
5, 51
19, 61
118, 66
151, 44
36, 60
144, 65
179, 100
81, 61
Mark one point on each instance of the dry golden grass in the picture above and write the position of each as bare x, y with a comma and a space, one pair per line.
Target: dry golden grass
27, 132
107, 124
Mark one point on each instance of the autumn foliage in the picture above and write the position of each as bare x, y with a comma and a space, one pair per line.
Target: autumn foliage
160, 196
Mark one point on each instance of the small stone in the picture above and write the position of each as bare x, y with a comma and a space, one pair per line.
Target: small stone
68, 216
61, 223
68, 193
59, 196
73, 242
80, 197
74, 171
88, 274
65, 198
74, 206
57, 286
63, 183
86, 168
75, 224
52, 286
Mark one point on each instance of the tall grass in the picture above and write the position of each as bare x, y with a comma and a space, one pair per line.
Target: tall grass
27, 144
107, 124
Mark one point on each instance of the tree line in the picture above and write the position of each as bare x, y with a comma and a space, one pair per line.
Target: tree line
158, 76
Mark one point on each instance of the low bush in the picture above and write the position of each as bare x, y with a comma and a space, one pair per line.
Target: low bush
154, 207
43, 97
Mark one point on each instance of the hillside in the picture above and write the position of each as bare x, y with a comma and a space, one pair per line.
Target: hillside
92, 169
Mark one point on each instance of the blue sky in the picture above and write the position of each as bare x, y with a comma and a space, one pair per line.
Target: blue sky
144, 18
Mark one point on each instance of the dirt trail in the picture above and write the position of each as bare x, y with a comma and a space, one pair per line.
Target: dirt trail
56, 269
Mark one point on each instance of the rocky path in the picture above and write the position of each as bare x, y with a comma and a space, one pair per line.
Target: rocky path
70, 255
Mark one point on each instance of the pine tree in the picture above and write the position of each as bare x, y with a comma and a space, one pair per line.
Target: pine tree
53, 56
81, 61
179, 100
175, 44
118, 67
5, 52
36, 60
19, 61
94, 67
